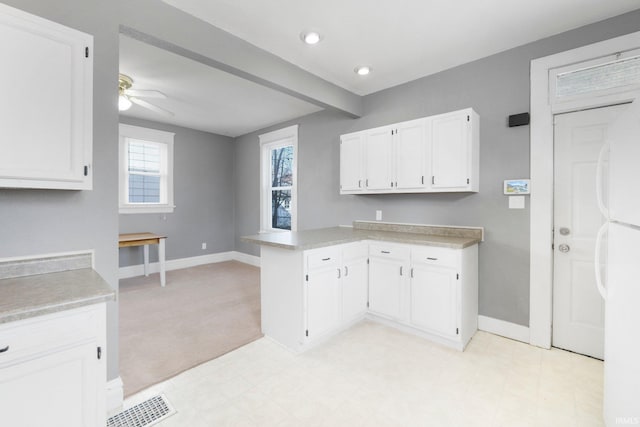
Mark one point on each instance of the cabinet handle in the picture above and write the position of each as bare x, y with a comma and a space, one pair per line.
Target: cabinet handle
367, 182
359, 183
346, 271
412, 272
401, 270
339, 273
392, 183
2, 350
385, 252
433, 179
432, 259
422, 179
326, 259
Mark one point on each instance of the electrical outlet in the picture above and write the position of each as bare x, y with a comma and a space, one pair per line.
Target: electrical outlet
378, 215
204, 246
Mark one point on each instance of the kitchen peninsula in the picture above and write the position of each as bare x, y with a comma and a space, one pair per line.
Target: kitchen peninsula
419, 278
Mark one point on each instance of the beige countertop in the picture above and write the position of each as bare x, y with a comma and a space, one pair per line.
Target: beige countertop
442, 236
35, 295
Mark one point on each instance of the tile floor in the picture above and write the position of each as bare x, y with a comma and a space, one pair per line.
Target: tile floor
373, 375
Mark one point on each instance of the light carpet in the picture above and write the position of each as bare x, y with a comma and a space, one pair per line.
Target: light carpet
202, 313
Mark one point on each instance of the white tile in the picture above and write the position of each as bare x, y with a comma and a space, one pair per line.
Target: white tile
372, 375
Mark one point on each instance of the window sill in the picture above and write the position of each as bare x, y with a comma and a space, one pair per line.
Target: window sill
131, 209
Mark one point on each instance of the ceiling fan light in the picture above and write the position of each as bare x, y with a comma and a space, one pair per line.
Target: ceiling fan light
123, 103
310, 37
362, 70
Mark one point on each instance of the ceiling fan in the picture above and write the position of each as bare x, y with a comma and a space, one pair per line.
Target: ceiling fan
127, 96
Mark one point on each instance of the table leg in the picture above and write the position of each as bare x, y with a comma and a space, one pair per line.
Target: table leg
162, 261
146, 260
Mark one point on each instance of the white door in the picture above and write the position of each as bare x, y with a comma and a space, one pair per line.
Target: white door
351, 163
379, 159
410, 155
578, 309
450, 141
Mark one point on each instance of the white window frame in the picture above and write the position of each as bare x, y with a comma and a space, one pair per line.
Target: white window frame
152, 135
269, 141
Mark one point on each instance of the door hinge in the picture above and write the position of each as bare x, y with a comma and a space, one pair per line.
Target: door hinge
457, 333
306, 277
306, 332
99, 353
457, 276
86, 52
86, 170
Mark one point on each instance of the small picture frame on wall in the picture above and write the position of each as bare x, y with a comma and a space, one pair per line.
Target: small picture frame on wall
516, 186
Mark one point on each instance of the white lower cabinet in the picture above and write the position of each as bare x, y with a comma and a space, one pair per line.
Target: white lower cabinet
429, 291
336, 288
53, 371
387, 280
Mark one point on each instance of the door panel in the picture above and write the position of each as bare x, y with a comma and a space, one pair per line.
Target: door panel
379, 159
410, 152
351, 163
450, 136
323, 302
433, 299
578, 309
385, 287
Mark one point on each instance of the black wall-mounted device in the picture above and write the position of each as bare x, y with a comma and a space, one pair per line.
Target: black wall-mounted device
518, 120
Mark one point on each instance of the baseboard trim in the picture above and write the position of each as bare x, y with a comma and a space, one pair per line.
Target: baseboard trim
177, 264
504, 328
246, 258
115, 396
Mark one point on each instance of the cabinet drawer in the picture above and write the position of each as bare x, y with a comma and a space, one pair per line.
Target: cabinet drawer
33, 336
392, 251
323, 258
435, 256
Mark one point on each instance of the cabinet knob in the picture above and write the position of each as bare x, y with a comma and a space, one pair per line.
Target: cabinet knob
2, 350
346, 271
339, 273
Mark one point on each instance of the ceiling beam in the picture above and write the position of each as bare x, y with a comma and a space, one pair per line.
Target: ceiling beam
163, 26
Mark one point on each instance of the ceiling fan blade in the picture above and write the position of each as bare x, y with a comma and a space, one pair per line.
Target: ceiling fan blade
151, 107
145, 93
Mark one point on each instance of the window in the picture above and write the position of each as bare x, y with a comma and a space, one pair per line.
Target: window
278, 175
146, 170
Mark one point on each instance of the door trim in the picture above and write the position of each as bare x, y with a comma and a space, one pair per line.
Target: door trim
541, 155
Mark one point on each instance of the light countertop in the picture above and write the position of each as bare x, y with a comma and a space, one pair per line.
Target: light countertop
35, 295
442, 236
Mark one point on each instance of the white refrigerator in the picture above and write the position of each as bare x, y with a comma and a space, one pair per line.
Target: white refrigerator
619, 280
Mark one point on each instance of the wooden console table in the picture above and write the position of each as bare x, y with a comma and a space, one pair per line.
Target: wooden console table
146, 239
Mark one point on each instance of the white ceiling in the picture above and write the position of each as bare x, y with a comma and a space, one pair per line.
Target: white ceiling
203, 97
401, 39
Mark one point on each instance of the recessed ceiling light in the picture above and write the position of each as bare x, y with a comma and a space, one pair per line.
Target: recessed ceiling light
362, 70
310, 37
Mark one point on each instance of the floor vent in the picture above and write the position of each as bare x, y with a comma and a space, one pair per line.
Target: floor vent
144, 414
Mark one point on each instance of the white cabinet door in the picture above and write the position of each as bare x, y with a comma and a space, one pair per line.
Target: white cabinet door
57, 389
379, 159
351, 167
46, 106
324, 305
355, 282
434, 299
450, 151
410, 155
387, 271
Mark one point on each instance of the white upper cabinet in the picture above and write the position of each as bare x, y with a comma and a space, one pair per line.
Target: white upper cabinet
432, 154
379, 165
351, 168
46, 105
410, 154
454, 151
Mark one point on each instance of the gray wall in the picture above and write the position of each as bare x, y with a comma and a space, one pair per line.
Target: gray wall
495, 87
203, 195
45, 221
